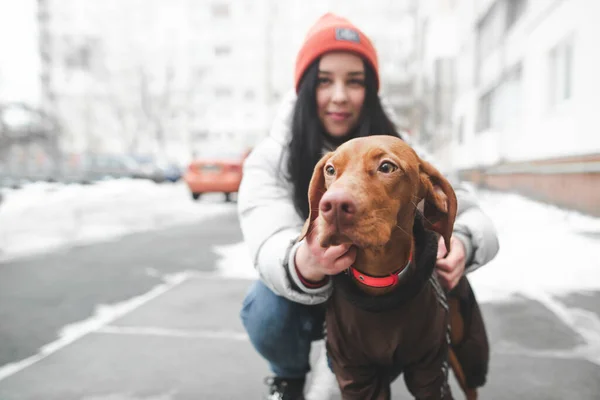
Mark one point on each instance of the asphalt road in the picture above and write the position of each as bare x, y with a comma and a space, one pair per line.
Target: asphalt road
173, 332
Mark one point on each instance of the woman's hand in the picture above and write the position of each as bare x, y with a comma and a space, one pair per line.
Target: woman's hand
451, 268
315, 262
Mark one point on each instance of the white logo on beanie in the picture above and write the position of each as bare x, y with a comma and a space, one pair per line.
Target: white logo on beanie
347, 34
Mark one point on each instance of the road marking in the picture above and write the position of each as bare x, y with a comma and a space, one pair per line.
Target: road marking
179, 333
103, 316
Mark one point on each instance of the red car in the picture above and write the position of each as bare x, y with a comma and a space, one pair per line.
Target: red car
214, 175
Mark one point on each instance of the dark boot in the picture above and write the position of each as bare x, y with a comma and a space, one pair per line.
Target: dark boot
285, 389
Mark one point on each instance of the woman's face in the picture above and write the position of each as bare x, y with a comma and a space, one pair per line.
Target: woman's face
340, 92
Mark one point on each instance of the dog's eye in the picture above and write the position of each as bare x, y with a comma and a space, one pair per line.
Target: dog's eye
386, 167
329, 170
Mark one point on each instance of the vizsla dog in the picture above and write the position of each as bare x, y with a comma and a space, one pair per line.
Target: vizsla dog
387, 315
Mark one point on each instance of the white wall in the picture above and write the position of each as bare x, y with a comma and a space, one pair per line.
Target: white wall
19, 61
569, 128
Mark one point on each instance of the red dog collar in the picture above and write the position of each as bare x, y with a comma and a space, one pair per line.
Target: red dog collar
381, 281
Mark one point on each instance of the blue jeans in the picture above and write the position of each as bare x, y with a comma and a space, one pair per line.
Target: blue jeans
281, 330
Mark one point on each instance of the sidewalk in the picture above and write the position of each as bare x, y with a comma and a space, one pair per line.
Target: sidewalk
188, 343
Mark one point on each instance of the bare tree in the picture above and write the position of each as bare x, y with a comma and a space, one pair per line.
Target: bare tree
142, 108
157, 106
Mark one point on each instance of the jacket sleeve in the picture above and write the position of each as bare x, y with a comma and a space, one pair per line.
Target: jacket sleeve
475, 229
472, 226
270, 224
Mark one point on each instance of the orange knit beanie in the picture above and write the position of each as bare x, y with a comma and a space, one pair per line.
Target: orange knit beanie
331, 33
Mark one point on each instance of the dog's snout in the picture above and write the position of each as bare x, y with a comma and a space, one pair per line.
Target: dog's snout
338, 205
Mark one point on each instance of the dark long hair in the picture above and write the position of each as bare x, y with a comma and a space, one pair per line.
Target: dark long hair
306, 145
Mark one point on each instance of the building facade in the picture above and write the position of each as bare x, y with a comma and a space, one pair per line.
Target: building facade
19, 59
524, 94
152, 76
193, 76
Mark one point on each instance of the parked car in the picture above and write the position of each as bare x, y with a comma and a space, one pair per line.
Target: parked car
145, 168
93, 167
156, 170
171, 171
214, 175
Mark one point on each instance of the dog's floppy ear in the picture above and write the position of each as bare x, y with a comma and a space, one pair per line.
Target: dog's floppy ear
316, 189
439, 198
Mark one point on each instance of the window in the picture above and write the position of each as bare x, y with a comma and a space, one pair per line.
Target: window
484, 115
460, 130
222, 51
511, 98
560, 71
514, 11
249, 95
200, 73
489, 31
220, 10
223, 92
500, 107
443, 90
200, 134
79, 53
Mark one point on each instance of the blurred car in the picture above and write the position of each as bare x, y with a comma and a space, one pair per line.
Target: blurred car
88, 168
215, 175
171, 171
156, 170
144, 167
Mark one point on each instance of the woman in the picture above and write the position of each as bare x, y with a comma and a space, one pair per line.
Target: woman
336, 99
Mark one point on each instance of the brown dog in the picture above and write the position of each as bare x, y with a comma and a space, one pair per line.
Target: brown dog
387, 315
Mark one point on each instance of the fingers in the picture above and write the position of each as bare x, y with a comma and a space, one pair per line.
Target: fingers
441, 251
449, 280
454, 258
333, 259
449, 273
334, 252
338, 258
457, 253
443, 264
345, 261
451, 268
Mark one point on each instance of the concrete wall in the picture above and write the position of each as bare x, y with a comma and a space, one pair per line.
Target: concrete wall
571, 182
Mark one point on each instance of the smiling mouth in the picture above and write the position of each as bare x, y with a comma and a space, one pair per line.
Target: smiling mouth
339, 116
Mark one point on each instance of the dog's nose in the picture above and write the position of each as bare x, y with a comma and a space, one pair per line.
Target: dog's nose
337, 205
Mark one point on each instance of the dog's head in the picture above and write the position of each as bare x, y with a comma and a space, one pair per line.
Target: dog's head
362, 192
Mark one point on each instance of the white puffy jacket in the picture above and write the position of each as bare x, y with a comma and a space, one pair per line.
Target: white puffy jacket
270, 222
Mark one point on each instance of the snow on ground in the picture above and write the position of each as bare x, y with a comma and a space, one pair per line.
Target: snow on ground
235, 261
42, 217
544, 250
